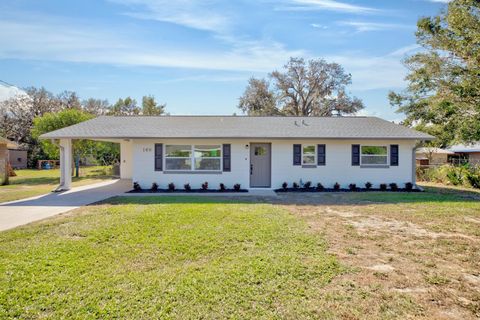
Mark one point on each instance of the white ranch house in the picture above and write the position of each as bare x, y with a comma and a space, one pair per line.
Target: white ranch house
256, 152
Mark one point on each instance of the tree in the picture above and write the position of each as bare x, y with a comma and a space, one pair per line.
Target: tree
69, 100
54, 121
304, 88
96, 107
443, 93
151, 108
258, 99
125, 107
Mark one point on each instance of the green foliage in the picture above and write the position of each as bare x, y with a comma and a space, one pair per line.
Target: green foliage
151, 108
443, 95
54, 121
465, 175
125, 107
104, 152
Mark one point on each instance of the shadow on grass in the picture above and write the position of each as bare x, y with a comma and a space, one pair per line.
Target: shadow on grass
431, 195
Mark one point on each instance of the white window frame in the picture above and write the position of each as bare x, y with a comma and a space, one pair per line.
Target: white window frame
314, 155
374, 155
192, 158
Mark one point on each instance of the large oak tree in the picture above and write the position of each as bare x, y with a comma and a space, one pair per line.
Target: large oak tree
303, 88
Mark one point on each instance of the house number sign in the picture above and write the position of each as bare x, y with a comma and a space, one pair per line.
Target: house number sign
147, 149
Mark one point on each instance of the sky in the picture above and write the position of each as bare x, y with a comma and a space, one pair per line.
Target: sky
197, 55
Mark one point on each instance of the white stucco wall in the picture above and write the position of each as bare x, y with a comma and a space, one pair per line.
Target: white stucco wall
338, 166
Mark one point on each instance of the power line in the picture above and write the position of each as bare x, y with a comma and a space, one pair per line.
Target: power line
7, 84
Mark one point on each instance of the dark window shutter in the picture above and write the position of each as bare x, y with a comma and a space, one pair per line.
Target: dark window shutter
355, 154
158, 156
394, 154
227, 158
321, 153
297, 154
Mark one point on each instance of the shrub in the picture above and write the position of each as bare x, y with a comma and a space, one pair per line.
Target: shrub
284, 186
474, 179
222, 187
352, 187
154, 186
307, 185
383, 186
171, 186
320, 187
187, 187
236, 187
409, 186
295, 185
336, 186
136, 186
394, 186
368, 185
205, 186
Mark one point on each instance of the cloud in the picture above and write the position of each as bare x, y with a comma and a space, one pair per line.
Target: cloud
318, 26
372, 72
53, 39
188, 13
362, 26
330, 5
405, 50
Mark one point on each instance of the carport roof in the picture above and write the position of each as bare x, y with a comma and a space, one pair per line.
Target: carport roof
126, 127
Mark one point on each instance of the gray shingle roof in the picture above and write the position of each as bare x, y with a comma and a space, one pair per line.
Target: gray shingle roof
236, 127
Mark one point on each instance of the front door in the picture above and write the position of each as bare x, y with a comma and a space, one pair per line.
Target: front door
260, 162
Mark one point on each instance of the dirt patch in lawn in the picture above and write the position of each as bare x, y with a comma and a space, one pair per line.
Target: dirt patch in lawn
403, 263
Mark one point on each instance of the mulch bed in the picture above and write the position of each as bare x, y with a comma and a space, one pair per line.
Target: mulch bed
344, 190
190, 191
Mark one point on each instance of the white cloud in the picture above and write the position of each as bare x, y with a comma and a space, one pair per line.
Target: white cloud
362, 26
188, 13
52, 39
330, 5
370, 73
318, 26
405, 50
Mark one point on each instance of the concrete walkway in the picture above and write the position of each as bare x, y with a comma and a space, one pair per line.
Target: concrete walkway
20, 212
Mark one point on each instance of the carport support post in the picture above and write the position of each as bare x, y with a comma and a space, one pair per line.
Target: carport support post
65, 164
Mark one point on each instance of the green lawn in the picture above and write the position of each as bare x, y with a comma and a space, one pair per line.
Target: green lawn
147, 259
31, 182
375, 255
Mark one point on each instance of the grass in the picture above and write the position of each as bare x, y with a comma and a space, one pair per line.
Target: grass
414, 255
31, 182
372, 255
142, 258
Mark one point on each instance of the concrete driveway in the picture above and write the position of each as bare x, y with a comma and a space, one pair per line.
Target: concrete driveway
20, 212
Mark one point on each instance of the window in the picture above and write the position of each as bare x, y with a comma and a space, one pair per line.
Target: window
178, 157
309, 155
208, 158
374, 155
260, 151
193, 157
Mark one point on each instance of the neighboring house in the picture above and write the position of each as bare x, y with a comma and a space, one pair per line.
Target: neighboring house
17, 158
4, 146
256, 152
428, 156
466, 153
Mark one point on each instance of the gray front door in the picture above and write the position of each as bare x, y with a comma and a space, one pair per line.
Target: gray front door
260, 159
